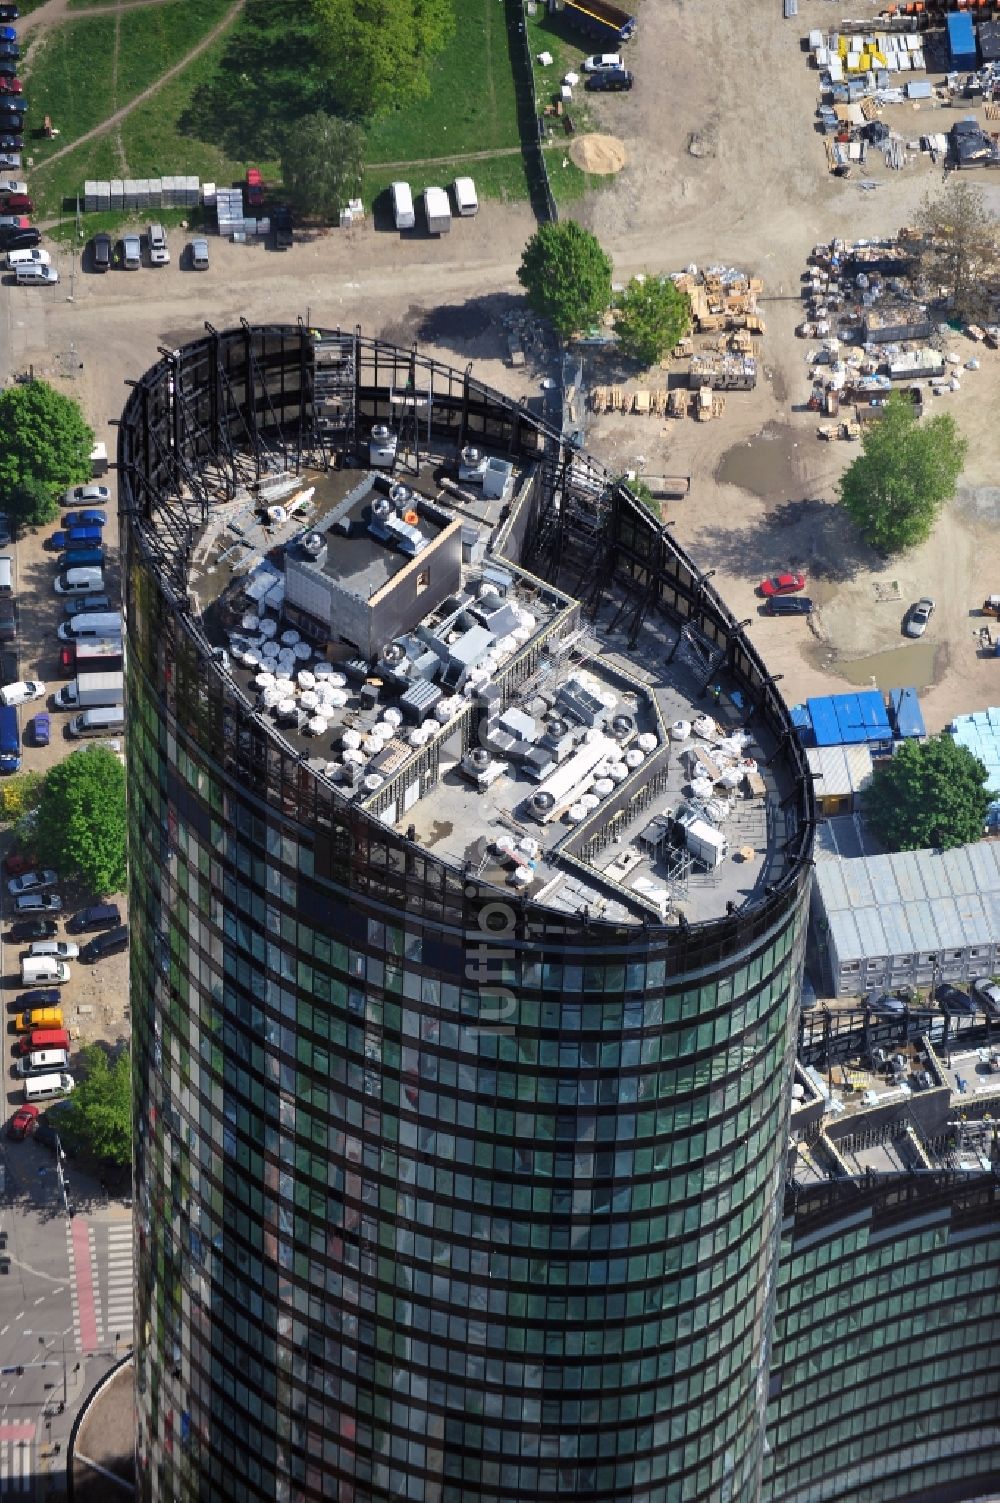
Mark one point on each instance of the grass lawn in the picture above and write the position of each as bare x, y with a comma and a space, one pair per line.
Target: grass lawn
151, 145
73, 77
151, 39
71, 80
471, 105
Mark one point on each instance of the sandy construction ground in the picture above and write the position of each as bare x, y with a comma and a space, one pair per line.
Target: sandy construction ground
731, 80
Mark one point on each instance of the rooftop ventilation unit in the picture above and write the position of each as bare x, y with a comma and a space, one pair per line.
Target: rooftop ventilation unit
472, 464
540, 804
389, 527
314, 545
382, 448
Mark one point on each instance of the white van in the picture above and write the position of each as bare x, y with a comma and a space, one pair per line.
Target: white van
41, 1061
28, 258
36, 275
104, 720
91, 624
6, 574
40, 1087
43, 970
466, 202
83, 581
402, 206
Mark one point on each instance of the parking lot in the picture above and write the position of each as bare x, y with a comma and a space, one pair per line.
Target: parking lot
95, 1000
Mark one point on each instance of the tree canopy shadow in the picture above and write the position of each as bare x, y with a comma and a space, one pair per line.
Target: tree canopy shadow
267, 79
811, 535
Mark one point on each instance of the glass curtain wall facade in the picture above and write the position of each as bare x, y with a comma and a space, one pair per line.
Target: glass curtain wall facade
885, 1383
440, 1194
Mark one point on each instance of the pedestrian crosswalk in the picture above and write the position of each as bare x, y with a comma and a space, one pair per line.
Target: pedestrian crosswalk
17, 1468
118, 1284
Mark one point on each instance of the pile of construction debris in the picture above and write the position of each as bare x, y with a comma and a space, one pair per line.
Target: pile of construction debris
724, 303
863, 73
875, 334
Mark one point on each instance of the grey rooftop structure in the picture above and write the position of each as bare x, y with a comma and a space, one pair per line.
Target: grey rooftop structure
914, 918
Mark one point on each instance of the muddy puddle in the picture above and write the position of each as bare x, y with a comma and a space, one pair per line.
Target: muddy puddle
766, 465
897, 669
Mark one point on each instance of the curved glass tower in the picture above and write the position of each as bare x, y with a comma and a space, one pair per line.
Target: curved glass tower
464, 1025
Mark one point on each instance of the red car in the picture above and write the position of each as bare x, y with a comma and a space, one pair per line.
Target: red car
16, 203
23, 1123
782, 584
10, 85
255, 188
19, 862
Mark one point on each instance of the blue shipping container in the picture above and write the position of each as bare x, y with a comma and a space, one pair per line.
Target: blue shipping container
962, 41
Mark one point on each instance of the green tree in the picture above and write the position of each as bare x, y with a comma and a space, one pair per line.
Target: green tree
80, 822
32, 503
930, 794
99, 1112
45, 442
380, 49
961, 248
566, 275
906, 470
653, 315
321, 164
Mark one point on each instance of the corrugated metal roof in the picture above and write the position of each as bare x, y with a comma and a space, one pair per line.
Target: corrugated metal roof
914, 902
839, 770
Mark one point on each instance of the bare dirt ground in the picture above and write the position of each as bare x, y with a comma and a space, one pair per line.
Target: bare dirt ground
732, 81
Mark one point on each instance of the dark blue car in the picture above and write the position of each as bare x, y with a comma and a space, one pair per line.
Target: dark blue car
8, 33
56, 541
85, 519
41, 728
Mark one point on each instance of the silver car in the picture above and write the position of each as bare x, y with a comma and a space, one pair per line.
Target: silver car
131, 252
199, 255
919, 615
159, 255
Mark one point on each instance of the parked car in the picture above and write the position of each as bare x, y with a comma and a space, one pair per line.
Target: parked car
953, 1000
85, 519
281, 226
199, 255
21, 692
8, 620
40, 996
41, 729
610, 80
18, 862
34, 881
85, 495
12, 240
86, 603
16, 203
599, 61
11, 142
103, 945
57, 949
255, 188
918, 616
29, 929
883, 1002
788, 605
8, 34
23, 1123
159, 251
782, 584
15, 221
97, 916
38, 276
30, 256
101, 248
131, 252
38, 902
987, 995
